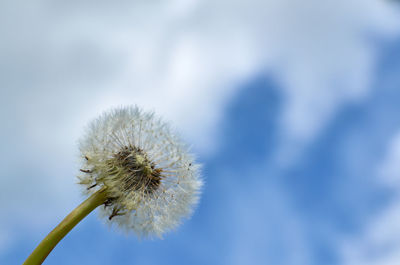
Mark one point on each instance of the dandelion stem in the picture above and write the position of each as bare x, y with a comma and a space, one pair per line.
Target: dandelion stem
51, 240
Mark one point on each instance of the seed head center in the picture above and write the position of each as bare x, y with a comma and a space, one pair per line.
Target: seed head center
137, 171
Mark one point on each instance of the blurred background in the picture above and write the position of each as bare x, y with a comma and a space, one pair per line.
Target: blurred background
292, 107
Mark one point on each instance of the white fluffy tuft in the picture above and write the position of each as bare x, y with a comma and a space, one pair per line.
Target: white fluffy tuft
133, 203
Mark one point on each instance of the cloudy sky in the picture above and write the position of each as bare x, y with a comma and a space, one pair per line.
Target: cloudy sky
292, 107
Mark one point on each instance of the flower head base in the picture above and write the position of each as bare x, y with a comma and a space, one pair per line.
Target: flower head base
150, 179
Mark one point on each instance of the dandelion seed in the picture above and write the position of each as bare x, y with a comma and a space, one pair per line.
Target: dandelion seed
151, 180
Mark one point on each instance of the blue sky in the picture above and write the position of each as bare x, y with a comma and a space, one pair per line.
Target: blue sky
291, 106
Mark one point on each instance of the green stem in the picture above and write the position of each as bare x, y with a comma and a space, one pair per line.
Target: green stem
51, 240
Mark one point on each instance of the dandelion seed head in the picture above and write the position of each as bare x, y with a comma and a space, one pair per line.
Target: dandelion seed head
150, 178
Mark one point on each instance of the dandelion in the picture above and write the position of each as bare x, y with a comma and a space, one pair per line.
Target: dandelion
138, 171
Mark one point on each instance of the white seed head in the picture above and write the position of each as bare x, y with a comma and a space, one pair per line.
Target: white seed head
150, 179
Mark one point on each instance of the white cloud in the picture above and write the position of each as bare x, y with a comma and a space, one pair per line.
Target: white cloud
379, 244
327, 60
184, 58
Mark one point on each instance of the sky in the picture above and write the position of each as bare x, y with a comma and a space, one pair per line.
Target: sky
291, 107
